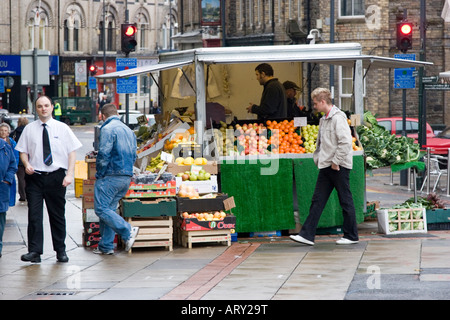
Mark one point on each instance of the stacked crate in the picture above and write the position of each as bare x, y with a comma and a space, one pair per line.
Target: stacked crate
151, 208
91, 226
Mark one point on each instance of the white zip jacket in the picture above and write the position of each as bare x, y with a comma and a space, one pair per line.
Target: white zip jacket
334, 141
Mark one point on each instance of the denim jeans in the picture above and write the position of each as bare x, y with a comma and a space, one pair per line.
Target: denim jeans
327, 180
2, 228
108, 191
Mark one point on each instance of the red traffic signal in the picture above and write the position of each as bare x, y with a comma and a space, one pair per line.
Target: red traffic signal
404, 36
93, 69
128, 37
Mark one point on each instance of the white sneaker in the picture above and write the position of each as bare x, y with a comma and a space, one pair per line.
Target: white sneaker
98, 251
345, 241
129, 243
301, 240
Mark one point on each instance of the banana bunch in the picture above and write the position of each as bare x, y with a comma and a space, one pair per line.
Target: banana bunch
155, 164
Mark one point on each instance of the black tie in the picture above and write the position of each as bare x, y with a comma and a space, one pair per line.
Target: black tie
46, 146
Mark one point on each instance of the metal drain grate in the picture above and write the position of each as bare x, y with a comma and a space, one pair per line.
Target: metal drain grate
56, 293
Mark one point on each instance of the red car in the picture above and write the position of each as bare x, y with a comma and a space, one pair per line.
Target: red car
395, 126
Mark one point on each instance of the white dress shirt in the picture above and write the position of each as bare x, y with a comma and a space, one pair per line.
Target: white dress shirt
62, 142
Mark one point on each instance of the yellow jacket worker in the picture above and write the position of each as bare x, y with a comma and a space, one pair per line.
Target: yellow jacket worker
58, 112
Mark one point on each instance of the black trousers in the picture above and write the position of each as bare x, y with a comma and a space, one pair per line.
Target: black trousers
327, 180
48, 188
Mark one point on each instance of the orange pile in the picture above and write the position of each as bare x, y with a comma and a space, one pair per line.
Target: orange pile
284, 139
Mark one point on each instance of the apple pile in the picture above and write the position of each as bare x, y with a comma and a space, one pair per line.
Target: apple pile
188, 175
205, 216
251, 139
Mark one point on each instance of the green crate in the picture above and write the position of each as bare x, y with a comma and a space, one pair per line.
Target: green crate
148, 208
438, 215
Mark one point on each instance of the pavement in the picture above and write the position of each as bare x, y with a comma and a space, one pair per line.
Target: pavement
401, 267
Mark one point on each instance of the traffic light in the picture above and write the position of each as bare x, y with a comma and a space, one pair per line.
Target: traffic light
93, 70
404, 36
128, 36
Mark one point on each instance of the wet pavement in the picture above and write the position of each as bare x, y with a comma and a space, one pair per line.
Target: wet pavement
406, 267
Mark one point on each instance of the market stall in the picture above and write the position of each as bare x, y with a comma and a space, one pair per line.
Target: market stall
263, 201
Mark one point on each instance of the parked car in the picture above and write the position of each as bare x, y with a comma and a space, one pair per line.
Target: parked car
438, 144
14, 118
133, 119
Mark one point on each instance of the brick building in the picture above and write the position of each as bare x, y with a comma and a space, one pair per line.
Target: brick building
79, 33
369, 22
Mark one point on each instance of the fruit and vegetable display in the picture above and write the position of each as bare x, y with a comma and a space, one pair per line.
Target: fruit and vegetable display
205, 216
272, 137
383, 148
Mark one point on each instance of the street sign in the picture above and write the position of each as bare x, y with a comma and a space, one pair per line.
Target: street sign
2, 85
92, 84
126, 85
433, 79
437, 86
404, 77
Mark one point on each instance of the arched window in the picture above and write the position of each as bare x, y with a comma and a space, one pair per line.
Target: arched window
38, 23
73, 20
107, 36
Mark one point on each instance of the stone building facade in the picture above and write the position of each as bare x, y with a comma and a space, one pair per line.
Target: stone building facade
78, 33
372, 23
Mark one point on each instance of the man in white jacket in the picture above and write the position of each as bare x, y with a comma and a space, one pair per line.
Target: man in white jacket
334, 158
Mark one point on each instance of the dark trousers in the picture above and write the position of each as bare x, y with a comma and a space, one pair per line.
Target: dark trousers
21, 179
327, 180
48, 188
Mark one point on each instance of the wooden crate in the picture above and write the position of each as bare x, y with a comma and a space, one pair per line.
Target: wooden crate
190, 237
153, 232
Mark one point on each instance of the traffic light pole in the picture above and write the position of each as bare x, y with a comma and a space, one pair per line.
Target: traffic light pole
127, 95
422, 95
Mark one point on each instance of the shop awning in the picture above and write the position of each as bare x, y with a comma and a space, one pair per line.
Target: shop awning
343, 54
145, 69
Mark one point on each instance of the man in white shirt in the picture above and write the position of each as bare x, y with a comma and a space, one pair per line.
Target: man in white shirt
47, 176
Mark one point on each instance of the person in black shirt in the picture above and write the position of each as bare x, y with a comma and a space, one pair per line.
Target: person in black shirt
273, 99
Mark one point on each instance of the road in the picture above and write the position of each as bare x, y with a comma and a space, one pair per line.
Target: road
86, 136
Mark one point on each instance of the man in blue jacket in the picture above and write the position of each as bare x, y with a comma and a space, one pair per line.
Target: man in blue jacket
8, 168
115, 160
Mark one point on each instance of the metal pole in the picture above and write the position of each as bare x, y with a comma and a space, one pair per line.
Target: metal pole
448, 175
35, 80
428, 170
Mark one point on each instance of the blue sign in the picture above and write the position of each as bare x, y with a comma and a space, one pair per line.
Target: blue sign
403, 77
2, 85
10, 65
126, 85
92, 84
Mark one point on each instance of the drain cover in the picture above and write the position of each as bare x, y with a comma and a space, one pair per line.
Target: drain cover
55, 293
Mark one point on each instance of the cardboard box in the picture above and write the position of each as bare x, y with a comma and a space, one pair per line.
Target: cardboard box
148, 208
201, 186
92, 170
193, 224
88, 187
399, 221
151, 193
202, 205
88, 202
90, 216
153, 186
212, 167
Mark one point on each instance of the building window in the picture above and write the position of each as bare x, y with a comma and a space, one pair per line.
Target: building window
346, 88
109, 37
351, 8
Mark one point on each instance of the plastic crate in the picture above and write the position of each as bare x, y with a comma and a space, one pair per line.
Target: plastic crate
148, 208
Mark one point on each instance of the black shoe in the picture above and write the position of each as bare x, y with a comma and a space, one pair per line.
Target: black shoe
62, 257
31, 257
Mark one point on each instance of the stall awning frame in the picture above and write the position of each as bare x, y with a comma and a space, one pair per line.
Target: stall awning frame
342, 54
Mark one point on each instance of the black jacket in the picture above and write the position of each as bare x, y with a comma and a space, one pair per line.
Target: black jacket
273, 101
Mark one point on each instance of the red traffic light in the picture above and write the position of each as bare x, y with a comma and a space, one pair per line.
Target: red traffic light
405, 29
404, 36
128, 37
130, 30
93, 69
